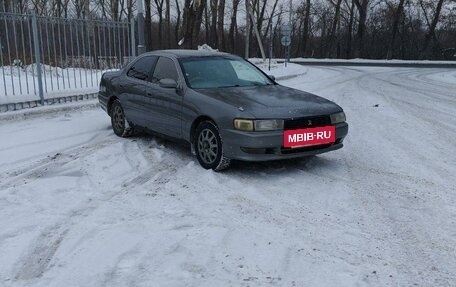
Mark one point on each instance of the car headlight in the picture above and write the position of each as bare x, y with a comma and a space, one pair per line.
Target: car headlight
268, 125
243, 125
258, 125
338, 118
102, 88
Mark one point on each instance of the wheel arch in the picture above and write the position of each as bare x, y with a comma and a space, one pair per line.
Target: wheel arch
110, 101
195, 124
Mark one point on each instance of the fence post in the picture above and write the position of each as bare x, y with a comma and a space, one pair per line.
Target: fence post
37, 56
133, 38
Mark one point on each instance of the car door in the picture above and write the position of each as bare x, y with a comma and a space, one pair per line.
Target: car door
134, 89
164, 103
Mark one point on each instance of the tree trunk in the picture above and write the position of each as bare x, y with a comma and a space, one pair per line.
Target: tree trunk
159, 4
115, 10
214, 35
233, 26
362, 9
332, 35
192, 18
198, 11
257, 33
323, 34
130, 10
247, 29
59, 9
148, 25
168, 24
306, 29
397, 16
431, 31
350, 30
260, 18
220, 26
266, 32
160, 31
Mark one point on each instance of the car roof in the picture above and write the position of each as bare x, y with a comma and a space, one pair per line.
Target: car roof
187, 53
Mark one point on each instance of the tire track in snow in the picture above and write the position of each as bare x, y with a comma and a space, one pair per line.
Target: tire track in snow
401, 237
38, 259
52, 163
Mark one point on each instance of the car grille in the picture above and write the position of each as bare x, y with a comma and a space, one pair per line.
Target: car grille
307, 122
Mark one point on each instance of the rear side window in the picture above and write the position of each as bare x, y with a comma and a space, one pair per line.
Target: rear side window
165, 69
142, 68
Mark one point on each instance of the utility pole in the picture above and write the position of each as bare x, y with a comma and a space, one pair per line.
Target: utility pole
141, 44
289, 23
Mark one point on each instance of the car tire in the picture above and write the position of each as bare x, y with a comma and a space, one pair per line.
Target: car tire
209, 147
120, 125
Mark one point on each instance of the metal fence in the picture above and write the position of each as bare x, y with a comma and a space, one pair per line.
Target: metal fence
44, 58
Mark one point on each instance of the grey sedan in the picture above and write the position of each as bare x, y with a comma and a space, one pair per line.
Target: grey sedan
223, 105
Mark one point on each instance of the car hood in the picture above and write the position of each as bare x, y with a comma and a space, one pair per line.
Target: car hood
273, 101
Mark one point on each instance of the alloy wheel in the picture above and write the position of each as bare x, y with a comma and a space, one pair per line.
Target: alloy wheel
207, 146
118, 118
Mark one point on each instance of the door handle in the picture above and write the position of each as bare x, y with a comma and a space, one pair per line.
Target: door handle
149, 94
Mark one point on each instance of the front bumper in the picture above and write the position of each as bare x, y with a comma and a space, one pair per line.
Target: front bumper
264, 146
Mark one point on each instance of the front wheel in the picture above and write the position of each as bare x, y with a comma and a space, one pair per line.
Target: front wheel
209, 147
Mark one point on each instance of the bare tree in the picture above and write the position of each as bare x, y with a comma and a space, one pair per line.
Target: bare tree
432, 27
159, 5
115, 15
349, 32
362, 6
247, 29
305, 35
332, 35
220, 25
213, 24
397, 16
168, 24
251, 15
178, 18
233, 25
192, 18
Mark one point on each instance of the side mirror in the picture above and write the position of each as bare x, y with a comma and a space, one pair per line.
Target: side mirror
271, 77
168, 83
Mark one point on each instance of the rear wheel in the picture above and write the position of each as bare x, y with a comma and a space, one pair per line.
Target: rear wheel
209, 147
119, 122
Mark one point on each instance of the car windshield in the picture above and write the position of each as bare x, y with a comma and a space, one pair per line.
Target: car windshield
221, 72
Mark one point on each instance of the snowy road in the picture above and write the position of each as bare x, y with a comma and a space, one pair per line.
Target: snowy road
81, 207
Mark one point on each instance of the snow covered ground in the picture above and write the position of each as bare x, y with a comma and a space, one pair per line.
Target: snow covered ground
82, 207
